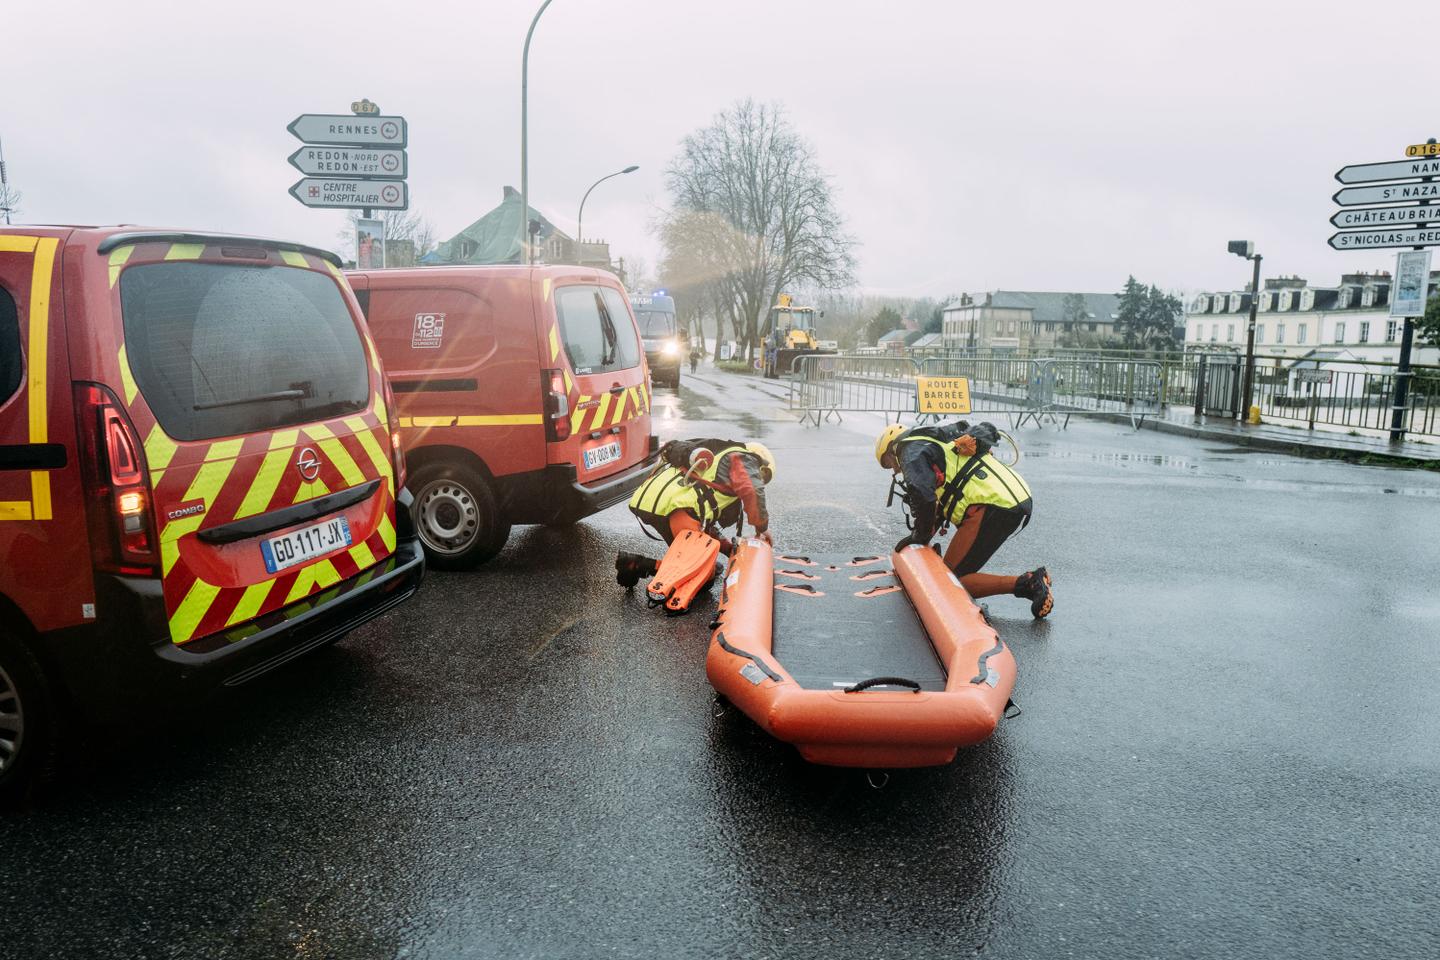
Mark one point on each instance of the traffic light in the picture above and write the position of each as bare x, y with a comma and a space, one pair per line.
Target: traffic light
1242, 248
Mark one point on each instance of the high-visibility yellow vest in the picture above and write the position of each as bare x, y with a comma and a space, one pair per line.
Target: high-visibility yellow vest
663, 493
986, 481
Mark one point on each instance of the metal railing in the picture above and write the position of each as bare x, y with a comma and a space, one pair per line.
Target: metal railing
1345, 394
822, 388
1334, 393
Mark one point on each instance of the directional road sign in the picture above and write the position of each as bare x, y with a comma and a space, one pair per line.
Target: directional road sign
1398, 170
347, 130
376, 163
349, 194
1389, 193
1386, 216
1381, 239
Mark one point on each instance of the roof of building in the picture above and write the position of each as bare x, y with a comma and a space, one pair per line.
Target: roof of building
893, 336
928, 340
1049, 307
1322, 299
494, 238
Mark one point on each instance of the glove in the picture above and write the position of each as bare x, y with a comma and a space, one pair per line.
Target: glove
764, 535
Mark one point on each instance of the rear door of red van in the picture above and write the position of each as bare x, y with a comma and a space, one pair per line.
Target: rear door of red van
258, 399
591, 339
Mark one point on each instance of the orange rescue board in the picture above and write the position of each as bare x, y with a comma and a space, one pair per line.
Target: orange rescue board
870, 725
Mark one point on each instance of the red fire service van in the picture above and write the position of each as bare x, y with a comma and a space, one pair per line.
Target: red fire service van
523, 397
198, 474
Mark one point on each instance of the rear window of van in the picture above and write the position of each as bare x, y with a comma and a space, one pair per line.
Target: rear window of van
225, 349
596, 328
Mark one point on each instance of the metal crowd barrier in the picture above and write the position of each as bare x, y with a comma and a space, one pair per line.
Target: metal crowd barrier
1073, 386
825, 386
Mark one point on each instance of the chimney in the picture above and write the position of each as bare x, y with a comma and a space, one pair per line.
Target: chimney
1285, 283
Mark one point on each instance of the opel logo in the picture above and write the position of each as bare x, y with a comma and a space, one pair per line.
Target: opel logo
308, 463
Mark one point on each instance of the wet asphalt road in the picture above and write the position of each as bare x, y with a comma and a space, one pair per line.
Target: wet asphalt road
1230, 747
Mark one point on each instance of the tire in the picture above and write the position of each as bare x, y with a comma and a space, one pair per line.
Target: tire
29, 723
456, 515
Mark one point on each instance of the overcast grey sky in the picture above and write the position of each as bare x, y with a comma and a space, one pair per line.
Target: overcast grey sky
1040, 145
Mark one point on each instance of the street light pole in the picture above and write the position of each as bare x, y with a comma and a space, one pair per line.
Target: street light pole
1246, 249
1250, 340
525, 140
580, 219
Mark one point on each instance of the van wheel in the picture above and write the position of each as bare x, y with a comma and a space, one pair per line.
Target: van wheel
29, 726
456, 516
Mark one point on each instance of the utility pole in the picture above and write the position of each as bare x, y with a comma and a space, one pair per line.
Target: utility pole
525, 257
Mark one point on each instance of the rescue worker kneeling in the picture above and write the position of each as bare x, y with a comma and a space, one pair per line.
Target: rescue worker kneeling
699, 487
949, 476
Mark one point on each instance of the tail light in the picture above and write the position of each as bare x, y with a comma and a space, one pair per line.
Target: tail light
119, 509
557, 406
392, 423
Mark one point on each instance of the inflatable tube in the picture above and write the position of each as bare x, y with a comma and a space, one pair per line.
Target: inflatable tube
791, 680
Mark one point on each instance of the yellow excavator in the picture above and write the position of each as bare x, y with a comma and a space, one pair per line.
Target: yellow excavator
789, 333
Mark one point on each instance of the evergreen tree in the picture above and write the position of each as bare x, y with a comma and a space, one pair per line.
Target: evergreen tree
1427, 328
887, 319
1132, 310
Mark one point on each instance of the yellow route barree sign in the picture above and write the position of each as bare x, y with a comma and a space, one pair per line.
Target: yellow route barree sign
1423, 150
942, 395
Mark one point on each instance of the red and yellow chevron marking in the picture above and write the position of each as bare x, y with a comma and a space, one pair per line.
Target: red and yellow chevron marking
352, 452
244, 476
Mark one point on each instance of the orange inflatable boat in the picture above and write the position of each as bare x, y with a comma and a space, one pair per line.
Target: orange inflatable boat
874, 662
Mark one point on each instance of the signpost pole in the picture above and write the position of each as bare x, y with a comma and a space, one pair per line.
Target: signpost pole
1402, 375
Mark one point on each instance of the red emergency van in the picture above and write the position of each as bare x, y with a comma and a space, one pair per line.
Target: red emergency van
198, 474
523, 395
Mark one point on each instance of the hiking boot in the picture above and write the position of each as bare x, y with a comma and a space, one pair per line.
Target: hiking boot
1035, 587
631, 568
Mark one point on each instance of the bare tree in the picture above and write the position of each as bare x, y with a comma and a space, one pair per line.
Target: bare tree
753, 215
10, 200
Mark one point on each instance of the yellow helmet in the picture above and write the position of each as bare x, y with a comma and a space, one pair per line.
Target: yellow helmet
887, 438
766, 457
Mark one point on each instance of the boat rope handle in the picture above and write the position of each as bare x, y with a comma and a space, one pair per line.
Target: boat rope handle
883, 682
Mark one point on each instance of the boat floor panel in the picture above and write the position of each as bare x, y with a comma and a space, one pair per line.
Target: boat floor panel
831, 631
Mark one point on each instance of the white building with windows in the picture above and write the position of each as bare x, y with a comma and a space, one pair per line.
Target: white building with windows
1350, 321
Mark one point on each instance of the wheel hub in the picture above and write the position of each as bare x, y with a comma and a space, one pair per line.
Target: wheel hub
449, 518
12, 721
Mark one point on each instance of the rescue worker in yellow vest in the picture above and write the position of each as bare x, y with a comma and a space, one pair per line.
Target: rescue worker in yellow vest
949, 476
703, 485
